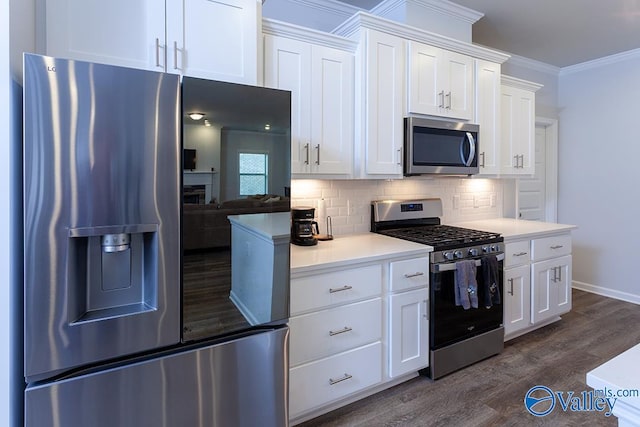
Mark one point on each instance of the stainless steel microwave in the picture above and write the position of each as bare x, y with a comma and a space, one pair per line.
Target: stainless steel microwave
440, 147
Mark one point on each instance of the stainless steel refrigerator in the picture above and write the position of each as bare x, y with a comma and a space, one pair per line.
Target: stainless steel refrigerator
115, 329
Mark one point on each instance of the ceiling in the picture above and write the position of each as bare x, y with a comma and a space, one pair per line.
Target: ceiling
556, 32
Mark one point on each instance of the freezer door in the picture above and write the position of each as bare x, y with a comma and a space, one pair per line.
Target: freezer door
243, 382
101, 213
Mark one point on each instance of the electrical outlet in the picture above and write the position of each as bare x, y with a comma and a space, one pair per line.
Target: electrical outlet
456, 201
492, 200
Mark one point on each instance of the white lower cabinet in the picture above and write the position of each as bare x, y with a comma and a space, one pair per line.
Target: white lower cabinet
517, 290
317, 383
551, 288
355, 329
331, 331
537, 282
408, 332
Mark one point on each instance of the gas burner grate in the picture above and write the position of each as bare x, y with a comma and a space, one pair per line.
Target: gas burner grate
440, 235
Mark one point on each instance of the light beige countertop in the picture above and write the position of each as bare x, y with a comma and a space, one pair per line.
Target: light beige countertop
352, 249
619, 380
512, 229
270, 226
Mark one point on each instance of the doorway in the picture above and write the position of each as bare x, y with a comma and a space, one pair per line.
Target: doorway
538, 194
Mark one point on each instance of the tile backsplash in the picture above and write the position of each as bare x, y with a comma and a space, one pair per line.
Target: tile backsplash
348, 202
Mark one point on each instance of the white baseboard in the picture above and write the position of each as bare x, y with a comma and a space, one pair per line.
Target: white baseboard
606, 292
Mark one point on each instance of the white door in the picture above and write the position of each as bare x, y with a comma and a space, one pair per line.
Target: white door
532, 190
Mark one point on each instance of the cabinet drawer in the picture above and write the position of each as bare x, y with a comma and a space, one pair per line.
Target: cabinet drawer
318, 383
332, 331
408, 274
337, 287
550, 247
516, 253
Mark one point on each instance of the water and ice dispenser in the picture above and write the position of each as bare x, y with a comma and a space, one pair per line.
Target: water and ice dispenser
112, 274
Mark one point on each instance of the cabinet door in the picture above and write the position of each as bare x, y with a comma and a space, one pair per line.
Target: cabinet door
332, 109
383, 104
213, 39
458, 84
517, 299
563, 284
408, 332
518, 131
488, 115
287, 66
425, 86
118, 32
550, 288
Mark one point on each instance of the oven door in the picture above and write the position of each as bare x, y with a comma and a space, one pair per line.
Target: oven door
451, 323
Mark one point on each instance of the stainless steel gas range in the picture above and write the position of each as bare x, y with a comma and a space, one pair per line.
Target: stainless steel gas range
465, 282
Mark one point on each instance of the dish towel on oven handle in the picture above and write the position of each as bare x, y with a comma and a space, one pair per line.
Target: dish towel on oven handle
490, 280
466, 286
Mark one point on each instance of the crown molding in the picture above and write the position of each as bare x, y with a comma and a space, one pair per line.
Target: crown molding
532, 64
444, 7
601, 62
293, 31
520, 84
361, 20
333, 7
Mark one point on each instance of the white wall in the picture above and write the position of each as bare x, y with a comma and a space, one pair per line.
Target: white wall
206, 141
348, 202
598, 176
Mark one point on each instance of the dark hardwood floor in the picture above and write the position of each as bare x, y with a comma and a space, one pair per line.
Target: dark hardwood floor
491, 392
207, 309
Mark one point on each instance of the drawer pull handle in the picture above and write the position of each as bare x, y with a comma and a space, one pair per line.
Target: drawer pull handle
556, 247
416, 274
339, 380
521, 254
341, 331
344, 288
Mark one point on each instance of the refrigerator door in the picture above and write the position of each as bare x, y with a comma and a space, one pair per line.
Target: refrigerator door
101, 213
242, 382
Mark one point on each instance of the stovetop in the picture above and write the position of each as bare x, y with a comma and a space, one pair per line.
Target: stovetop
419, 221
442, 237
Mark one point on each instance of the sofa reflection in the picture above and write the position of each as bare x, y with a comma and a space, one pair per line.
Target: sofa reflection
206, 226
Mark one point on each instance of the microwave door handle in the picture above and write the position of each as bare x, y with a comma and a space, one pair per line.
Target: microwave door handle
472, 149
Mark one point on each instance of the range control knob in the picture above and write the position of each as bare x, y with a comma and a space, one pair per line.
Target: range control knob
494, 248
448, 255
485, 249
458, 254
473, 252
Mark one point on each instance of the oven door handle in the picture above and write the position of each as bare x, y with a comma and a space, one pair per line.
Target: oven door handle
449, 266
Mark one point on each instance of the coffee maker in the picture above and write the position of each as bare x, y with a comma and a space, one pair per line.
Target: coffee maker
302, 226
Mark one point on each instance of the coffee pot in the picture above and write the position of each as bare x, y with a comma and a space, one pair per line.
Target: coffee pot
303, 227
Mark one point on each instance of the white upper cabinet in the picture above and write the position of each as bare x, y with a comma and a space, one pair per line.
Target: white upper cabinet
487, 116
382, 74
321, 81
518, 124
201, 38
213, 39
440, 82
118, 32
